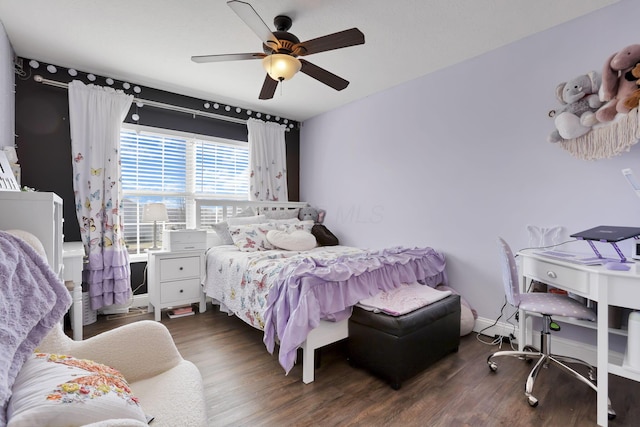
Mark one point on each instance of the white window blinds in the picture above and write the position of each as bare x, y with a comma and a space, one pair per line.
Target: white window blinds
174, 168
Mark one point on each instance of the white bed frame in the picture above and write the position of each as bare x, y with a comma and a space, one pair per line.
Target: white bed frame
327, 332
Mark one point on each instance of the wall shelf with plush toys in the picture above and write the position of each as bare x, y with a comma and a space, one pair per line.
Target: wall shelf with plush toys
598, 115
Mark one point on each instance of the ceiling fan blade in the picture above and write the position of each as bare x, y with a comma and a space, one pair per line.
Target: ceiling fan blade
333, 41
248, 14
323, 76
228, 57
268, 88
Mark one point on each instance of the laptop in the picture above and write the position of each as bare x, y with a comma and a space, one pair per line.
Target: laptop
608, 233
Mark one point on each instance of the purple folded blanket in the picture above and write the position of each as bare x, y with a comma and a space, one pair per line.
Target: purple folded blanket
32, 301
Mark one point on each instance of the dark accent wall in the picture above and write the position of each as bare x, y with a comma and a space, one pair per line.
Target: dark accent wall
43, 139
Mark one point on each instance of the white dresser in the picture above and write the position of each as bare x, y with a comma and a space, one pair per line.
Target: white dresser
41, 215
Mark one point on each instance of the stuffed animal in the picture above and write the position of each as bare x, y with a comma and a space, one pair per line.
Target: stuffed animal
580, 101
310, 213
633, 100
323, 236
618, 82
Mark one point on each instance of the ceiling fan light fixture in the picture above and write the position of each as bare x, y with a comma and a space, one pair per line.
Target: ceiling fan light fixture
280, 66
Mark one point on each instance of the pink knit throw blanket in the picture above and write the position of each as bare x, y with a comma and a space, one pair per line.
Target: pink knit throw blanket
404, 299
32, 301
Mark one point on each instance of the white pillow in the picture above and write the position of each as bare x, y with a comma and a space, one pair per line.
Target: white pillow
243, 220
55, 390
297, 240
284, 221
213, 239
222, 230
282, 213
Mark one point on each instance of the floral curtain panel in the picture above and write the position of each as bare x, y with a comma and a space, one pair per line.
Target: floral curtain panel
95, 118
267, 161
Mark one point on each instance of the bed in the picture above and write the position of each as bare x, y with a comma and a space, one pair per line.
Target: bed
300, 297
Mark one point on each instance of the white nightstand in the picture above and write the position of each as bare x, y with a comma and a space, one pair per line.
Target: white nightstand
174, 279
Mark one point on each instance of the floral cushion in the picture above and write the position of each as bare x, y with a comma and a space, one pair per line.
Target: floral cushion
300, 225
253, 237
57, 390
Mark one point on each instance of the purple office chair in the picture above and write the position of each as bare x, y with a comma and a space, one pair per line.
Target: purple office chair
547, 305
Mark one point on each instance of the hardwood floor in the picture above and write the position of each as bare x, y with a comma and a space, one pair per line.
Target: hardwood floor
245, 385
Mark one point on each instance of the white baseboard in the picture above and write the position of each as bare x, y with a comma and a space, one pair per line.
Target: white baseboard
563, 346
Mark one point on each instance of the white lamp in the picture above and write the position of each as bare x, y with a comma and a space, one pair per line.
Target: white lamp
154, 212
280, 66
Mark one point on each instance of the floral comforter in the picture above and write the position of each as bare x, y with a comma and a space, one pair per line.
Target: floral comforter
240, 281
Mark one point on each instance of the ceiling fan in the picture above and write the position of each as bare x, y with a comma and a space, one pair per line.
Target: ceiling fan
282, 49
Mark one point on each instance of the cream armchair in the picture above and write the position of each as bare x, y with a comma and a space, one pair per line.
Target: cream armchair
169, 387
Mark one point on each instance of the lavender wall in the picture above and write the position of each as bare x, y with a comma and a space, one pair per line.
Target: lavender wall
456, 158
7, 91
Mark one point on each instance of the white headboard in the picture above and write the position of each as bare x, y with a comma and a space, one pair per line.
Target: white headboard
211, 211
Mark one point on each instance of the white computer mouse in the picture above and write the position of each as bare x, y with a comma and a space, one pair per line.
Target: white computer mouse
615, 265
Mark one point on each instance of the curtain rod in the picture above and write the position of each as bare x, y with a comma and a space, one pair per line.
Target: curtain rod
40, 79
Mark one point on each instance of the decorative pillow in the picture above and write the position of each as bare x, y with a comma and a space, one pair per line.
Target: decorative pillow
296, 225
56, 390
246, 212
222, 229
324, 236
252, 237
243, 220
297, 240
32, 240
284, 221
213, 239
283, 214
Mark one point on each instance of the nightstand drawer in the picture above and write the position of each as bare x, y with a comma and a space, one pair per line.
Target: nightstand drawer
179, 268
177, 291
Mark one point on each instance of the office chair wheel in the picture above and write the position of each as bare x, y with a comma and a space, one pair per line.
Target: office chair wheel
533, 402
493, 366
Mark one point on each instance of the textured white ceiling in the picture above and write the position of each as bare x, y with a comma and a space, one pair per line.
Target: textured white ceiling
150, 42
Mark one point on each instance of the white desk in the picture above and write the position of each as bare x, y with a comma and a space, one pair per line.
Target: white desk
607, 287
72, 257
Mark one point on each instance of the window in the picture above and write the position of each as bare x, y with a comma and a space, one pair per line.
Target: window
174, 168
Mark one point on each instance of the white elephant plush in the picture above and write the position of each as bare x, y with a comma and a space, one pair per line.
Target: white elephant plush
580, 101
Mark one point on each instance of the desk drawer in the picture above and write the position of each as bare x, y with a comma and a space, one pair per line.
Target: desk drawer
567, 278
181, 290
179, 268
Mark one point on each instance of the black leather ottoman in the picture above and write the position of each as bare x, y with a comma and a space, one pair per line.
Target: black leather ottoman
396, 348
